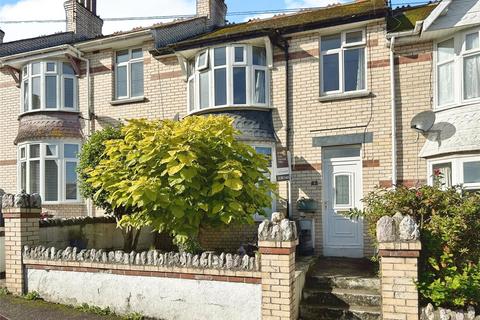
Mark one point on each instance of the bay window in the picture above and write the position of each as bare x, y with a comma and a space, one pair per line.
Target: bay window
451, 171
458, 69
50, 169
234, 75
48, 85
129, 74
342, 62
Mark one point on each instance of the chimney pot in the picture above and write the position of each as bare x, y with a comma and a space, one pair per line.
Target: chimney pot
82, 17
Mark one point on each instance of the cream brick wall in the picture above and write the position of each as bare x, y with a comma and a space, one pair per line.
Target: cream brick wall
165, 93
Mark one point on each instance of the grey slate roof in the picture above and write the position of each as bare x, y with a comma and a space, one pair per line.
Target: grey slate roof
167, 34
455, 130
254, 125
43, 42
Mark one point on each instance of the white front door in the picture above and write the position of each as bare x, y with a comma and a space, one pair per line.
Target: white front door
342, 191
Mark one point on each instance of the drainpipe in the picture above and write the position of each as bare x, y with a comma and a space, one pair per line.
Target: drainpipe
394, 115
90, 112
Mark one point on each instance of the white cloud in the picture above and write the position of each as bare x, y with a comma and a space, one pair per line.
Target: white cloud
53, 10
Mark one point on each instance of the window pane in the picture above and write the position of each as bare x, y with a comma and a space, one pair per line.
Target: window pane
354, 65
23, 176
445, 84
70, 150
342, 190
471, 74
204, 90
51, 92
352, 37
122, 82
239, 55
202, 60
68, 92
446, 50
51, 66
239, 85
25, 95
191, 94
137, 79
220, 86
36, 93
330, 72
34, 176
51, 180
122, 56
471, 41
71, 181
267, 152
220, 56
137, 53
36, 68
471, 172
51, 150
259, 56
25, 71
331, 42
23, 153
34, 151
442, 174
67, 69
260, 84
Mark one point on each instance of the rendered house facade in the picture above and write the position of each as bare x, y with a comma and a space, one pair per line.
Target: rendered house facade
318, 84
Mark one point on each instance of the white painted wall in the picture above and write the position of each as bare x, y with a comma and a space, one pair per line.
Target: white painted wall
165, 298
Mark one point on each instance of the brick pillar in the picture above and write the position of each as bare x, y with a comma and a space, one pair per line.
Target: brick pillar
21, 228
399, 269
277, 265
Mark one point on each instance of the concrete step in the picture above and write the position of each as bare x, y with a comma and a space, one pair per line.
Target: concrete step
341, 297
344, 282
317, 312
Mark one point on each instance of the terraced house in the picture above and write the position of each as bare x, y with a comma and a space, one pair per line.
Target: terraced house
329, 92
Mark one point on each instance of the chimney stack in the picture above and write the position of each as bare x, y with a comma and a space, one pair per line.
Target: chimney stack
214, 10
82, 18
2, 35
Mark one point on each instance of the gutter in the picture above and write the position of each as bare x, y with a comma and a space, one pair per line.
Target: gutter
394, 110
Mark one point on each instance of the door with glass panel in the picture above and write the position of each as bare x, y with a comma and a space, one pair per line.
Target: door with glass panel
342, 191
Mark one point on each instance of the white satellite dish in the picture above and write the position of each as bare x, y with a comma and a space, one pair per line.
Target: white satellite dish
423, 121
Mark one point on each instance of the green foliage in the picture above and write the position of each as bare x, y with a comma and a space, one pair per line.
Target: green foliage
4, 292
94, 309
133, 316
92, 153
449, 220
180, 176
32, 295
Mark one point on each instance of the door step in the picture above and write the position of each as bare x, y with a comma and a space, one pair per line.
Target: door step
325, 312
342, 297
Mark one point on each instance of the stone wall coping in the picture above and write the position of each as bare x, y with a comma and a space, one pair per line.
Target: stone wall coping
277, 244
75, 221
82, 266
400, 245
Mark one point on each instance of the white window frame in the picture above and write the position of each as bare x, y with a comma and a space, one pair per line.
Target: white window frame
210, 67
27, 76
273, 173
460, 53
457, 163
61, 162
344, 46
128, 65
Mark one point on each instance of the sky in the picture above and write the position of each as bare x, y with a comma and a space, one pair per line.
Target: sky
53, 10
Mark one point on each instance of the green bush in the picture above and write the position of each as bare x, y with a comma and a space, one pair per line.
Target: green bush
449, 221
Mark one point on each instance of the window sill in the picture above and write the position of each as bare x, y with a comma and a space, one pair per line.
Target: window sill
229, 108
345, 96
127, 101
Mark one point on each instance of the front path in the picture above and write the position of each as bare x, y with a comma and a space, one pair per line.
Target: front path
15, 308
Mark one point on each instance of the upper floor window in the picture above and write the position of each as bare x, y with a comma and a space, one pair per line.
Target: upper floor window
49, 85
49, 169
458, 69
234, 75
129, 74
342, 62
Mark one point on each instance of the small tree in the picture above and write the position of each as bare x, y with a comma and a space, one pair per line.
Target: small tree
181, 176
93, 151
